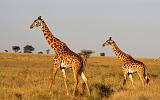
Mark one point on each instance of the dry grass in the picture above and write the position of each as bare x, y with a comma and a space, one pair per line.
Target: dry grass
25, 77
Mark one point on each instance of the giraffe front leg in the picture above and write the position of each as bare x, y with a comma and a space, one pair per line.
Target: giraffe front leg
131, 78
76, 83
65, 80
125, 77
52, 78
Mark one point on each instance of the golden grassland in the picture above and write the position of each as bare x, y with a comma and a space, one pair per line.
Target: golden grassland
26, 77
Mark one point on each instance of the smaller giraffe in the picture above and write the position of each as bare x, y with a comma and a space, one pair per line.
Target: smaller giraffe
130, 65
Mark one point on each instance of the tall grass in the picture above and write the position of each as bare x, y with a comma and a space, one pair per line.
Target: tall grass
26, 76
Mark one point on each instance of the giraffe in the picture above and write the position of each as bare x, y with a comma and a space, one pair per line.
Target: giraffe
130, 65
64, 58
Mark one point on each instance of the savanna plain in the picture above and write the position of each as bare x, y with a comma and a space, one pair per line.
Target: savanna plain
26, 77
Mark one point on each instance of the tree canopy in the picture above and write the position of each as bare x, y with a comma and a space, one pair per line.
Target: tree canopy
28, 49
15, 48
86, 52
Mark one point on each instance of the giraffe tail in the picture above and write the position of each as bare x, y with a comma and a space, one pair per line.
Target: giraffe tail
146, 77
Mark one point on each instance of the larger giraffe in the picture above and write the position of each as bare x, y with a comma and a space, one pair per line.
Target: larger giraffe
130, 65
64, 58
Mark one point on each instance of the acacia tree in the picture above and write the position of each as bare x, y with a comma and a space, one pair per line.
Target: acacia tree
15, 48
47, 51
102, 54
85, 54
40, 52
28, 49
6, 50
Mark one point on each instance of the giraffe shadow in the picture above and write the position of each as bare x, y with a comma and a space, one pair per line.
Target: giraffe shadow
154, 75
101, 90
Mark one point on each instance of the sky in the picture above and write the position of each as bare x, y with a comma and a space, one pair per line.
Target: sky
83, 24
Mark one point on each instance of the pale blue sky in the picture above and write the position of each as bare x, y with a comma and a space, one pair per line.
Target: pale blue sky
84, 24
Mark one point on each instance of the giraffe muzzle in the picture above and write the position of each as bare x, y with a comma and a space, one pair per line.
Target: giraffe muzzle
103, 44
31, 27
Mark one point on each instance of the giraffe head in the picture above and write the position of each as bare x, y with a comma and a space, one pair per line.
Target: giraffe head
108, 42
37, 23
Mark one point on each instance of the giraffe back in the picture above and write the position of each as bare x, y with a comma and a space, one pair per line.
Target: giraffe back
132, 67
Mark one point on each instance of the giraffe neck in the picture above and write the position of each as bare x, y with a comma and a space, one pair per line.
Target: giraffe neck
121, 55
58, 46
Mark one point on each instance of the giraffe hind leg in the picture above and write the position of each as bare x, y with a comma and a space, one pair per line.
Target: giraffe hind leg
125, 78
86, 82
141, 75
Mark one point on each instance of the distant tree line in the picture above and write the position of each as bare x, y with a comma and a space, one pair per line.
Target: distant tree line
26, 49
29, 49
87, 53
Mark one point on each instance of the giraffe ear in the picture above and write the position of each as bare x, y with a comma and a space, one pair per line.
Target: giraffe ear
39, 17
110, 38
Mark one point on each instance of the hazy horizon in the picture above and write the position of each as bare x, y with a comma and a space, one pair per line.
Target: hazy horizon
84, 24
